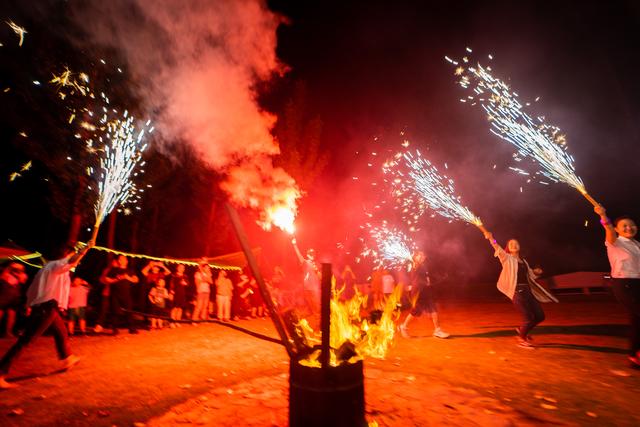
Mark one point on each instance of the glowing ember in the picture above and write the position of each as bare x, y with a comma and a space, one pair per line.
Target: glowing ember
533, 138
415, 175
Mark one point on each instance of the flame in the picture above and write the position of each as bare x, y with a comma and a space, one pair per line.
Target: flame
283, 218
282, 210
354, 336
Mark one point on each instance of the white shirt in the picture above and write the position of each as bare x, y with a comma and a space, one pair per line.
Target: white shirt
203, 280
51, 282
624, 257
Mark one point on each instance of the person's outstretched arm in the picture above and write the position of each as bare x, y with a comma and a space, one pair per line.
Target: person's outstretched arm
295, 246
610, 232
77, 257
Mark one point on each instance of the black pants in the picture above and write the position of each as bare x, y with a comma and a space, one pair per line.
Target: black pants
627, 292
43, 316
120, 300
104, 309
529, 307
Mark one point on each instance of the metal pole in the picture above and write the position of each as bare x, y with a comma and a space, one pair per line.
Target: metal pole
253, 265
325, 314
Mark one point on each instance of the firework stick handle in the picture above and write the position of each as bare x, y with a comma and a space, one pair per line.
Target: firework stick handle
96, 228
590, 199
482, 228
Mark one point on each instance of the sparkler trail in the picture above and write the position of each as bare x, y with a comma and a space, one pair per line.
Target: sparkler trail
414, 175
20, 31
107, 133
533, 138
122, 154
392, 247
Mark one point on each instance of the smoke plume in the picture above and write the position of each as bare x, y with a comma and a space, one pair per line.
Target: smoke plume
196, 64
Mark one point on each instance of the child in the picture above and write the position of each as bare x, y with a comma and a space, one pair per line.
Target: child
158, 295
78, 305
224, 289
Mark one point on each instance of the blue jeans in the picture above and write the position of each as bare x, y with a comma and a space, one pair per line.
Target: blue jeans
529, 308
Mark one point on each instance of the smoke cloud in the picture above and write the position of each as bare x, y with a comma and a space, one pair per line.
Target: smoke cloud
196, 64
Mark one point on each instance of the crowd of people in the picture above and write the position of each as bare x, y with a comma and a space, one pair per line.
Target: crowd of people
158, 296
153, 298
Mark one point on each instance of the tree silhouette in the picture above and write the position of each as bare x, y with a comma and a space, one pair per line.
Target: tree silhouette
299, 134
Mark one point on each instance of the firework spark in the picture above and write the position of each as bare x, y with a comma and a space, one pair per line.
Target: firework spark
414, 175
533, 138
122, 153
392, 248
20, 31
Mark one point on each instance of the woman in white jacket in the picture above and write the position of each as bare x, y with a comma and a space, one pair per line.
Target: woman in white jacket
518, 282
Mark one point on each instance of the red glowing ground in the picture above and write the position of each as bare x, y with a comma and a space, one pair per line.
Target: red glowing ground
212, 375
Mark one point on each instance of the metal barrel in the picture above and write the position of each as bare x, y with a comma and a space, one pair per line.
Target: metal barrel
322, 397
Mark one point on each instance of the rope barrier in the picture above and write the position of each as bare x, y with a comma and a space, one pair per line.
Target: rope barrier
167, 260
215, 321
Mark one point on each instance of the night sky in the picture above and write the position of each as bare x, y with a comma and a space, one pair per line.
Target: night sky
374, 69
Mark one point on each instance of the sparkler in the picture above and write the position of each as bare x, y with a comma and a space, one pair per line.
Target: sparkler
20, 31
392, 247
415, 175
533, 138
122, 154
106, 132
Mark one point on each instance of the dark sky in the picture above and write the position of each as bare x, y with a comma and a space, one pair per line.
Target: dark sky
376, 68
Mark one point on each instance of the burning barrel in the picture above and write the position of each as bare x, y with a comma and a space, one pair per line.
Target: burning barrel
324, 395
327, 396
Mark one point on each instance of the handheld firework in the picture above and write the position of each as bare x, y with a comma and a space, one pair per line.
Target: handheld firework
415, 175
533, 138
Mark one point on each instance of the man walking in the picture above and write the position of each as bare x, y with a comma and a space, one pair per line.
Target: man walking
46, 296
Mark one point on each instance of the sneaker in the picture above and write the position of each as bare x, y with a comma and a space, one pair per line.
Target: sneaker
70, 361
404, 331
4, 384
529, 337
439, 333
635, 361
97, 329
525, 344
133, 331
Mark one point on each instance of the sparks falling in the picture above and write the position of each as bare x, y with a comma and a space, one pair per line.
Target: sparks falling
415, 175
392, 248
20, 31
122, 153
533, 138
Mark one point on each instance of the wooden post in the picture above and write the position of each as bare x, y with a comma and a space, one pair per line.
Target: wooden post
325, 315
253, 265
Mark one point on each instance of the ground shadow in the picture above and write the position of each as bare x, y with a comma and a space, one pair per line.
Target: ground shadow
608, 330
37, 375
584, 348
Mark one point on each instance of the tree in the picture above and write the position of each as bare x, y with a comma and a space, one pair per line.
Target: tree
299, 134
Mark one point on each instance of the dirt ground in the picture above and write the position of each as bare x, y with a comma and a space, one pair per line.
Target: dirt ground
213, 375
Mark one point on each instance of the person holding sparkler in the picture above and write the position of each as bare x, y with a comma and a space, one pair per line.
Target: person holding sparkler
47, 295
518, 282
425, 301
623, 251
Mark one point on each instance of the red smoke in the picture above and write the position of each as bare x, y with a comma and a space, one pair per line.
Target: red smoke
196, 64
